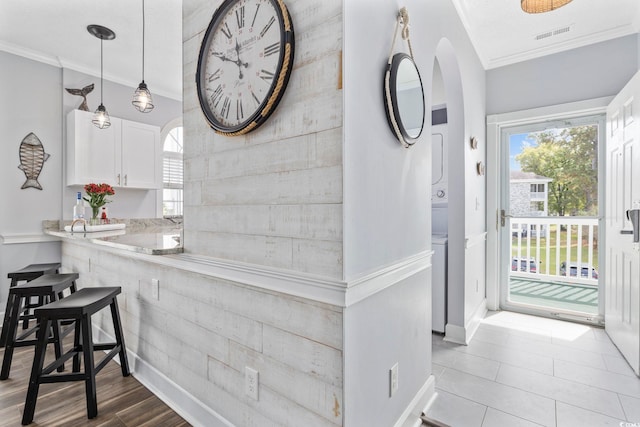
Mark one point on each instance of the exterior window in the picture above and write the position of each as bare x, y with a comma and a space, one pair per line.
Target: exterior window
537, 206
172, 173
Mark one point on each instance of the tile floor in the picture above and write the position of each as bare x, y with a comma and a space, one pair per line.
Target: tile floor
526, 371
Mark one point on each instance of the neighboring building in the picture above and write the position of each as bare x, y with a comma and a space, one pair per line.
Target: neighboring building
529, 196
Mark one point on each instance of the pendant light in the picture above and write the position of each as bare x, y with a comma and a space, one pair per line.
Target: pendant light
142, 97
540, 6
101, 117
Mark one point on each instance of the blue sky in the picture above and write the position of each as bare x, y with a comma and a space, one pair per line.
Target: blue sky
516, 143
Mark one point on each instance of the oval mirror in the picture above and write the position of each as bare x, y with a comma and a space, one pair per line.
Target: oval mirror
404, 99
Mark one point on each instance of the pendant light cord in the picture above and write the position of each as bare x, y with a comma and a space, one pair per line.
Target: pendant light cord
143, 40
101, 62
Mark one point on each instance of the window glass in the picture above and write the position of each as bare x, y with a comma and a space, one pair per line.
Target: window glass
172, 173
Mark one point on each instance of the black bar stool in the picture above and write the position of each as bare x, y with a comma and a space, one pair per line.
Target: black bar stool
28, 273
48, 287
79, 306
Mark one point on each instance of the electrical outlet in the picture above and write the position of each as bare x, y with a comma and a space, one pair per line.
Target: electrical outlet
251, 382
393, 380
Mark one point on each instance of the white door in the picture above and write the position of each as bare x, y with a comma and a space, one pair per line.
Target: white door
622, 275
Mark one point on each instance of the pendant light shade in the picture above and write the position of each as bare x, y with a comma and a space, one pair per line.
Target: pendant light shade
101, 117
540, 6
142, 97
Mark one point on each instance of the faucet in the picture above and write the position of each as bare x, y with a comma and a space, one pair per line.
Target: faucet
80, 220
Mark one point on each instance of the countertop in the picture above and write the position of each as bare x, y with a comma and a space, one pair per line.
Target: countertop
148, 236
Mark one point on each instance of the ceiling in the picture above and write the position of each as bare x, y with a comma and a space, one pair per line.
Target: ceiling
55, 32
503, 34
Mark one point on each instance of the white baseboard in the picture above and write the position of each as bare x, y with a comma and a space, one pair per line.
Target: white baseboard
411, 416
455, 334
476, 319
462, 335
182, 402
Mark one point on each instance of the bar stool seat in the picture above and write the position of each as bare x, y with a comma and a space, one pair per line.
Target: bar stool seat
28, 273
48, 287
79, 306
32, 271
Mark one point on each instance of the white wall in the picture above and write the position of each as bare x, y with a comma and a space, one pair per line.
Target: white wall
386, 218
386, 186
30, 102
392, 326
387, 209
588, 72
438, 95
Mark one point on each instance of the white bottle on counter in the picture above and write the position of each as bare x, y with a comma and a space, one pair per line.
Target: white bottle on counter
78, 208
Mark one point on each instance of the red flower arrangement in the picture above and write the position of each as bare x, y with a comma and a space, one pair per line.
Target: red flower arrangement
97, 196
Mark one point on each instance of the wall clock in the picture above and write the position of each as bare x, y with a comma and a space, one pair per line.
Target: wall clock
244, 64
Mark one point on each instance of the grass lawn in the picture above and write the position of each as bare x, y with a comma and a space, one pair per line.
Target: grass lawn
553, 249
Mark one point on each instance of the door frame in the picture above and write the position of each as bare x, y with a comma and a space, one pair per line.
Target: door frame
495, 126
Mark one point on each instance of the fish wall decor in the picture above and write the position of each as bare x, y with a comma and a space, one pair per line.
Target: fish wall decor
32, 158
83, 93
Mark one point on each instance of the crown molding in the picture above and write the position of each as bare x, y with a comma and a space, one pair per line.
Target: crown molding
70, 65
29, 54
574, 43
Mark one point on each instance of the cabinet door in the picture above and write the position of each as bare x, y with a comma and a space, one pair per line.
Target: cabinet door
141, 167
93, 155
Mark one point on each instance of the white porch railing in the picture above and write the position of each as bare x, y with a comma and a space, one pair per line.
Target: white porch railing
562, 248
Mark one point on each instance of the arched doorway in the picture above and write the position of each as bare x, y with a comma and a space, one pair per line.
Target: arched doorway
448, 194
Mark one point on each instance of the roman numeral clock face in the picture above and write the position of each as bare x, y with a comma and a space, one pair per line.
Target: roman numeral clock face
244, 65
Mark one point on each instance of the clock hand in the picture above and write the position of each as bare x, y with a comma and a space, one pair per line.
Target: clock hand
238, 62
222, 57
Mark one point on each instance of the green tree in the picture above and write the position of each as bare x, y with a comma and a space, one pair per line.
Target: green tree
569, 157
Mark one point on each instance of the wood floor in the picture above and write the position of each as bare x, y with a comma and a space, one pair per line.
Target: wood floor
122, 402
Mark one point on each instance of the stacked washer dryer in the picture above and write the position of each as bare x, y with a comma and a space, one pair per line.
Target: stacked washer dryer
439, 217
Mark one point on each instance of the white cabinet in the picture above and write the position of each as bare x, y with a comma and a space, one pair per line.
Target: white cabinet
126, 154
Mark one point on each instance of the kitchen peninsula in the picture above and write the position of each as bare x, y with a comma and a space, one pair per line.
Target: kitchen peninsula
187, 318
146, 236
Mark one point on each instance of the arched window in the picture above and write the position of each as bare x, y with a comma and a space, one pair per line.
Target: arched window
172, 173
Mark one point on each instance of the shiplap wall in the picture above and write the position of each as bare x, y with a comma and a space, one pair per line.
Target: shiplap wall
272, 197
203, 331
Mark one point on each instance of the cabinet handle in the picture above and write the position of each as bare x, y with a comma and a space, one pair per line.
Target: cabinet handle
118, 179
125, 180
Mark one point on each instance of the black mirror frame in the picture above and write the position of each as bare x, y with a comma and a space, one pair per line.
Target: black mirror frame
391, 100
